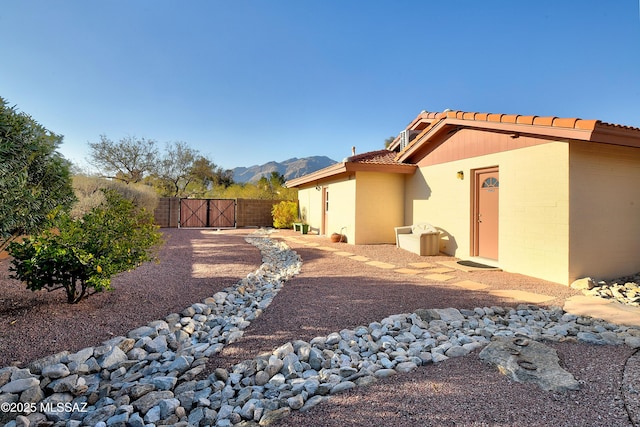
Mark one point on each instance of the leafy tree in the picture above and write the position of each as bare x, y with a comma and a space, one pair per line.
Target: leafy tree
184, 172
271, 185
207, 175
388, 141
264, 189
80, 255
128, 160
34, 178
175, 169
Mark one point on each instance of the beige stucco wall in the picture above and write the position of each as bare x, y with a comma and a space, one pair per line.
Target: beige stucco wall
310, 202
604, 210
379, 207
341, 215
533, 210
364, 206
435, 195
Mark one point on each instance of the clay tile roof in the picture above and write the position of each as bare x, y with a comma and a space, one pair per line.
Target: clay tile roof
612, 125
561, 122
543, 121
381, 157
596, 130
525, 120
564, 122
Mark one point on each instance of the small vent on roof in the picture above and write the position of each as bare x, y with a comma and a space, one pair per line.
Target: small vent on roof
406, 136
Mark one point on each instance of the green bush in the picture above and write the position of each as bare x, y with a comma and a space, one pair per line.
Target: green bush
284, 214
34, 177
80, 254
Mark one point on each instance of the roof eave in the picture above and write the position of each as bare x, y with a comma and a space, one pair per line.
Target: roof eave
381, 167
317, 175
526, 129
617, 135
517, 129
335, 171
428, 133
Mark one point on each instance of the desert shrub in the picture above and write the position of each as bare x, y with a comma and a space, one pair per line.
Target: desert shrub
34, 177
284, 214
80, 255
89, 194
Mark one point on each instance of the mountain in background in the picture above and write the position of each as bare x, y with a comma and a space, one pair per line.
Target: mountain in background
292, 168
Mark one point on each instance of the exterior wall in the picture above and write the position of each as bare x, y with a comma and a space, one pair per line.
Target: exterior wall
341, 216
379, 201
533, 210
604, 210
364, 206
310, 205
435, 195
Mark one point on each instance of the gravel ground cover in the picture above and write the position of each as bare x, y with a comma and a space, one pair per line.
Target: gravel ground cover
194, 264
332, 292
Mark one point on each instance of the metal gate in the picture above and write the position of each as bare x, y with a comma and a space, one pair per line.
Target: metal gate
207, 213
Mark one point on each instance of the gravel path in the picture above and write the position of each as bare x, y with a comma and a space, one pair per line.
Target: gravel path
331, 293
194, 264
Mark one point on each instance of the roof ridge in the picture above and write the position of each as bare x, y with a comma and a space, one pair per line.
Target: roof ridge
382, 156
553, 121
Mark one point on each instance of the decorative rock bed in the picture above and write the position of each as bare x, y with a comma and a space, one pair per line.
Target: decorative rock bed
149, 376
625, 290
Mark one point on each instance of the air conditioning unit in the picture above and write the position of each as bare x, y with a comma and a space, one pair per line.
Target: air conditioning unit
406, 136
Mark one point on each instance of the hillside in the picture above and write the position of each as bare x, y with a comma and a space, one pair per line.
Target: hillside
291, 168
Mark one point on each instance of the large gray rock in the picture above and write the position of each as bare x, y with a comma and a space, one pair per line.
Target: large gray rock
99, 414
143, 331
157, 345
112, 358
32, 395
449, 314
274, 416
80, 356
63, 385
527, 361
181, 364
18, 386
36, 366
54, 371
150, 400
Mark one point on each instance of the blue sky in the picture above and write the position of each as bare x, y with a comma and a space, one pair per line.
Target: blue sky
247, 82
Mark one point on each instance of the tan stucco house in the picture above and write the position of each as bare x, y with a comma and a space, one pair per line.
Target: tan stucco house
553, 198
